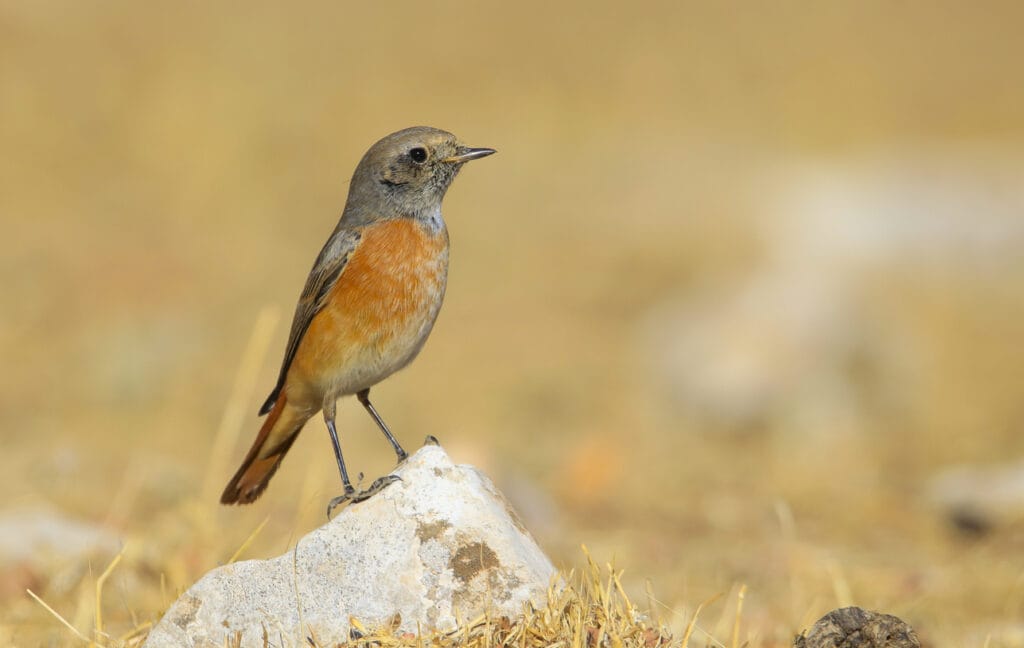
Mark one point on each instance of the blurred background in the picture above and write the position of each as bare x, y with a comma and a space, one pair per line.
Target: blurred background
738, 302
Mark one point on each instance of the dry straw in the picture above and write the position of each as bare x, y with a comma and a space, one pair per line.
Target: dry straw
589, 609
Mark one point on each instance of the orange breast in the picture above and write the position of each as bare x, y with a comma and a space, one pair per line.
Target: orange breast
378, 313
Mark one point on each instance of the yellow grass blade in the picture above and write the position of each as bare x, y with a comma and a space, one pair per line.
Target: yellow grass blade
739, 612
693, 620
248, 541
241, 395
58, 616
99, 591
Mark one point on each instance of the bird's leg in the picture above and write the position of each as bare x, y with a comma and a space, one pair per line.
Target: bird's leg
364, 398
329, 409
350, 494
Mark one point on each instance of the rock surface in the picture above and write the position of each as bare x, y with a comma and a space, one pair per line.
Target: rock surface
441, 541
854, 627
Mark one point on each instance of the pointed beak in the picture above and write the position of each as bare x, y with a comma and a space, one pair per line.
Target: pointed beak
465, 154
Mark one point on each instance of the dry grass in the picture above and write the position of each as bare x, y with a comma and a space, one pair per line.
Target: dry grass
587, 609
169, 171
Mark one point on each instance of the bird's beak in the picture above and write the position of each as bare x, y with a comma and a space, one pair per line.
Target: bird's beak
465, 154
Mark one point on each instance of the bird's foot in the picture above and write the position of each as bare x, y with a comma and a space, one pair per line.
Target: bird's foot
352, 495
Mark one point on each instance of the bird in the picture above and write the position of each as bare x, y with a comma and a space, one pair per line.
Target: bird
368, 305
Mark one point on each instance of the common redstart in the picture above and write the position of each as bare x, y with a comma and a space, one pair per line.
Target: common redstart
369, 302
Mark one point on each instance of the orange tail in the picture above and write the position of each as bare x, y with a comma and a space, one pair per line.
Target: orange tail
275, 438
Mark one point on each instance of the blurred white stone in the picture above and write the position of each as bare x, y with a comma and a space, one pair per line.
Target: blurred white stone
781, 341
40, 536
45, 546
937, 209
977, 497
440, 542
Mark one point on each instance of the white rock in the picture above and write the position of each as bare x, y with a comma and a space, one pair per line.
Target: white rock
980, 495
439, 541
44, 535
778, 345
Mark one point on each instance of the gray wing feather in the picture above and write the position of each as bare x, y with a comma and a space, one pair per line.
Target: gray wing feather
330, 263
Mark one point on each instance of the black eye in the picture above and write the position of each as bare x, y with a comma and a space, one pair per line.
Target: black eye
418, 155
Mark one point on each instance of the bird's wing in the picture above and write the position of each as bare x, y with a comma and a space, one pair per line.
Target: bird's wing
328, 267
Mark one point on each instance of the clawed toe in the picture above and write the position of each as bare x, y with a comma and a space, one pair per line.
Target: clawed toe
354, 496
377, 486
339, 500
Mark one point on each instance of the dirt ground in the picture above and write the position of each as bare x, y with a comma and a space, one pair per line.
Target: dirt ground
742, 286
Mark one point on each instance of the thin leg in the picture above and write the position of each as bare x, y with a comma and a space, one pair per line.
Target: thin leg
364, 398
350, 494
337, 455
329, 408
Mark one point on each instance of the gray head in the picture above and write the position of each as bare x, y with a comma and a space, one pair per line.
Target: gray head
407, 174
